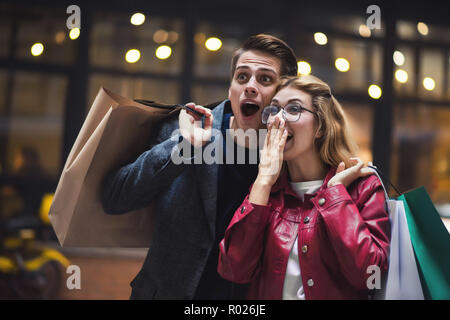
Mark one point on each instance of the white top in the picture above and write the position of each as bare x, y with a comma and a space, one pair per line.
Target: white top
293, 286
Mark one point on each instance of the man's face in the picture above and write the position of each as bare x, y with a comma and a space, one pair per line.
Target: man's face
253, 85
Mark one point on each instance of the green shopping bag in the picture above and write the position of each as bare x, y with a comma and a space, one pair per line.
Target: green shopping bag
431, 243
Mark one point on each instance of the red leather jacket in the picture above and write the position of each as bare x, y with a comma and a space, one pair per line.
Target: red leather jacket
341, 232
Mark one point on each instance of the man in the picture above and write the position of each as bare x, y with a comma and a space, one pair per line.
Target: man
193, 203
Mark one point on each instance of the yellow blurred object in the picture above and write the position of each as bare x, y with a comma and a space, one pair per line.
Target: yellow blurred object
45, 207
12, 243
7, 265
27, 234
46, 256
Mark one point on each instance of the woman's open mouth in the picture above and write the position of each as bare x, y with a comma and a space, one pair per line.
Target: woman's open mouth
248, 109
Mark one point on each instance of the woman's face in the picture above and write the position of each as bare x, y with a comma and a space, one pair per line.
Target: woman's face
301, 133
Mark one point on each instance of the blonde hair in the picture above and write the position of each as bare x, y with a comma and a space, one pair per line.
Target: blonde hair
335, 144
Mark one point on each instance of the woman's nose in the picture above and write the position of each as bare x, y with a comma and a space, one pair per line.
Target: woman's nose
278, 116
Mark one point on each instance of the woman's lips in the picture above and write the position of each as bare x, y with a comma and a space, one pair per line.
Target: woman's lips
288, 141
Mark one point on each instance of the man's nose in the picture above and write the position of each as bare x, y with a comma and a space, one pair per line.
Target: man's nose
250, 89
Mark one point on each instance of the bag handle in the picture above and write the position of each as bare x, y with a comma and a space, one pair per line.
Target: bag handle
378, 173
154, 104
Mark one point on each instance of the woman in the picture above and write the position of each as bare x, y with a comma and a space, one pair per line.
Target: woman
314, 223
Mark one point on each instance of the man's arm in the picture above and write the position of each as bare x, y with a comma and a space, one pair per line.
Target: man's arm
136, 184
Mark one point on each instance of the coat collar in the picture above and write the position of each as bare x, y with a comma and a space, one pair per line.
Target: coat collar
207, 174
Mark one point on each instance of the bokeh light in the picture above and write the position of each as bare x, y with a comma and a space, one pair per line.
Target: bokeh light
422, 28
429, 84
374, 91
132, 55
342, 64
74, 33
364, 31
399, 58
137, 19
213, 44
37, 49
163, 52
401, 76
304, 67
320, 38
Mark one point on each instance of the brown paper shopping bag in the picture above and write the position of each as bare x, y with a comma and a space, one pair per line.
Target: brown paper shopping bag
115, 132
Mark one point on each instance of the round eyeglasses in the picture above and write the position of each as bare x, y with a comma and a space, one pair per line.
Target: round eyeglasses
290, 112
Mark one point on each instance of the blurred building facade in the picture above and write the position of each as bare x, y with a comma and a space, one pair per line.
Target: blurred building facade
49, 80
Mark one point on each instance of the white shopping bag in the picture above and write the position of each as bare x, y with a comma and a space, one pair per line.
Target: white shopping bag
403, 281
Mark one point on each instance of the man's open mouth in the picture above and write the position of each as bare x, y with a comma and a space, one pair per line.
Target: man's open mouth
248, 109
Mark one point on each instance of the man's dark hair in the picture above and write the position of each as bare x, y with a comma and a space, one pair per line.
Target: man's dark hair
270, 45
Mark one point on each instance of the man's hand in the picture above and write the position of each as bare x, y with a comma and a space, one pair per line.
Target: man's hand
191, 125
347, 176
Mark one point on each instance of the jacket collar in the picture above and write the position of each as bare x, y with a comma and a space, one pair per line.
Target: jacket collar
207, 175
283, 182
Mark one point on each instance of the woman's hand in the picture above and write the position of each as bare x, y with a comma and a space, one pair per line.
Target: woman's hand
191, 125
271, 159
347, 176
270, 163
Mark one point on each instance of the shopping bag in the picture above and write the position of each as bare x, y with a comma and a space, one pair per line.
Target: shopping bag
431, 242
115, 132
402, 281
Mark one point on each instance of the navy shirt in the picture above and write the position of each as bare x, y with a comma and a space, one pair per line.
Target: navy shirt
234, 181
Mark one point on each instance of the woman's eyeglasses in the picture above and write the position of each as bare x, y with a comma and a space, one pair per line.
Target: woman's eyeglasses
290, 112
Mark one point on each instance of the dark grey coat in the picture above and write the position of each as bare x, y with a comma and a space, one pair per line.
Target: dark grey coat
185, 200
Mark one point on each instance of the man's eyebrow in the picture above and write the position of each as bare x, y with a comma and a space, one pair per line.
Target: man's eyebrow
259, 69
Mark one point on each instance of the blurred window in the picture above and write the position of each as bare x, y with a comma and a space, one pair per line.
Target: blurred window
448, 77
48, 28
204, 95
216, 64
163, 91
431, 74
113, 35
422, 30
5, 31
3, 84
365, 61
38, 102
421, 150
360, 120
404, 80
351, 24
